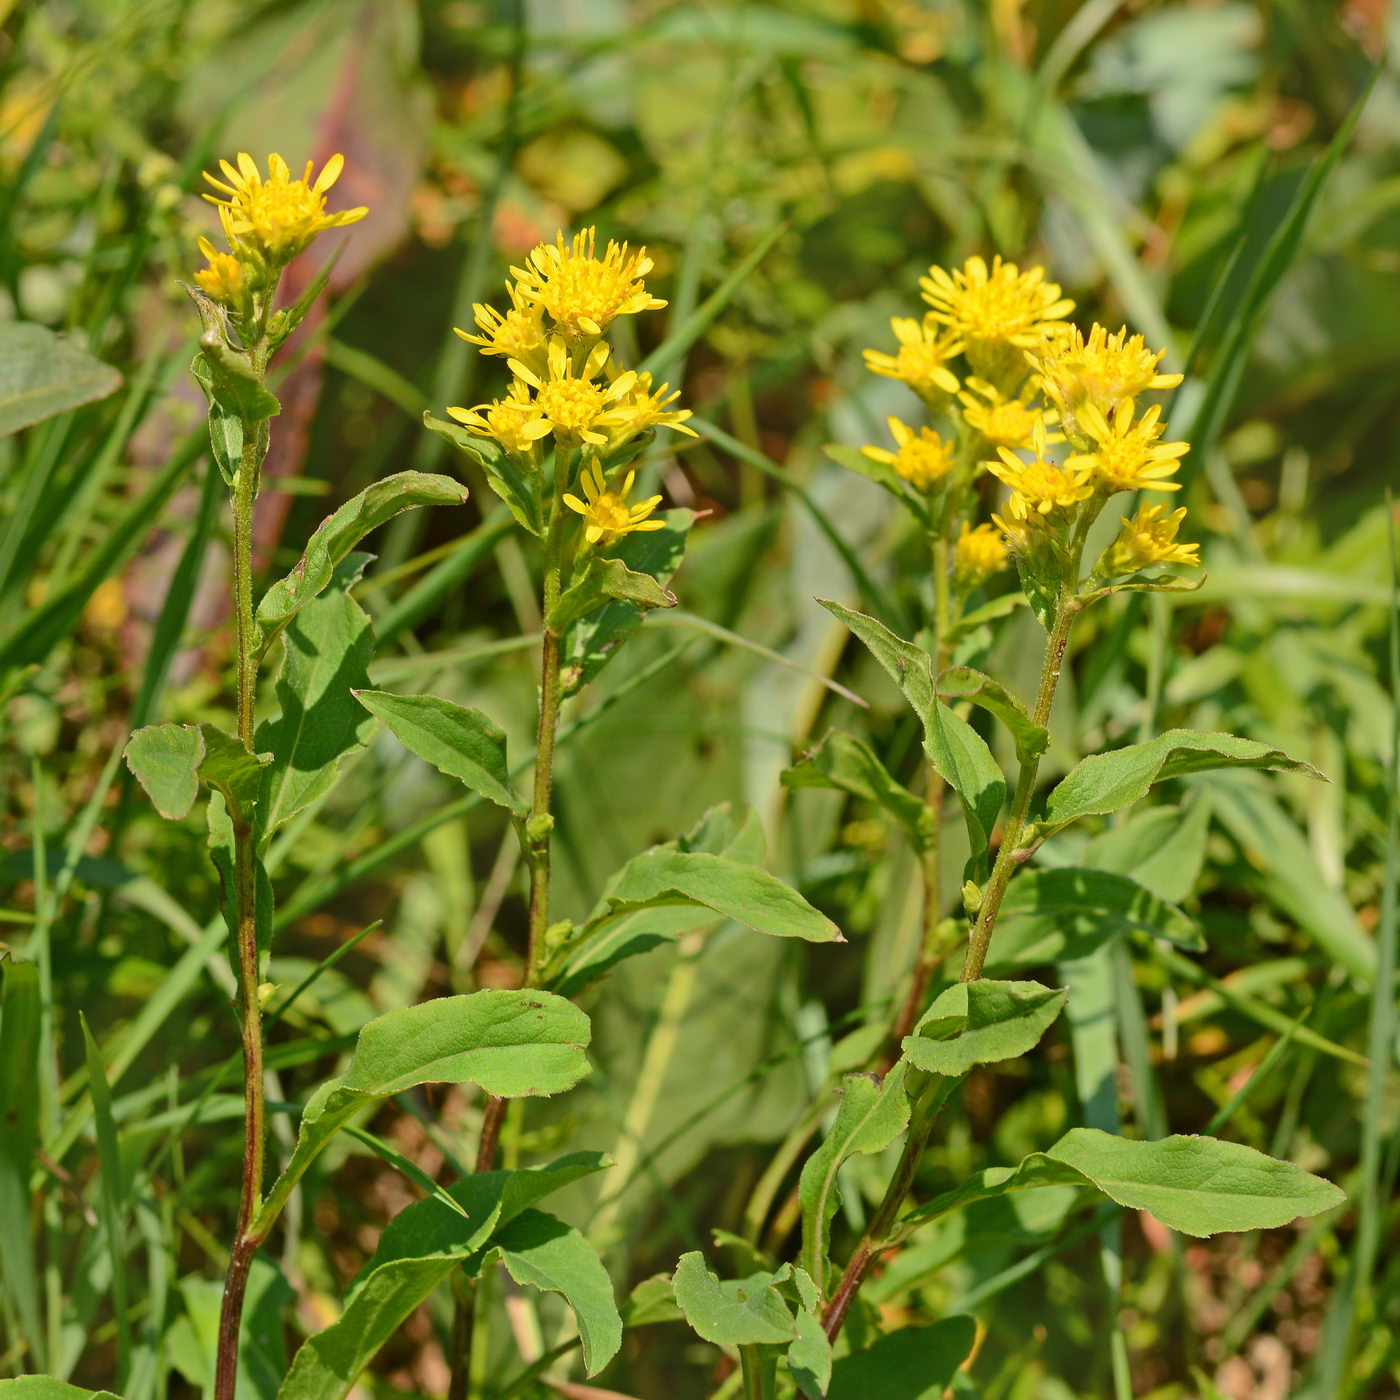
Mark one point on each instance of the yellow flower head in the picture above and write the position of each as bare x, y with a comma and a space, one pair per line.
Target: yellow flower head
977, 555
583, 293
518, 334
278, 217
996, 310
1003, 421
570, 405
643, 407
921, 361
512, 421
1125, 455
1101, 371
922, 459
1041, 485
606, 514
223, 279
1149, 538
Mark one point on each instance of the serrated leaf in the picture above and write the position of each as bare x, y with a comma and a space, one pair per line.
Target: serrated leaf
604, 579
871, 1115
512, 1044
43, 374
1106, 782
168, 760
847, 764
915, 1363
968, 683
518, 486
981, 1023
326, 650
735, 1312
462, 743
341, 532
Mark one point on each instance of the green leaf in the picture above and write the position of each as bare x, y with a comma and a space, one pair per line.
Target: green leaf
1105, 782
809, 1357
847, 764
854, 460
461, 743
981, 1023
231, 386
999, 607
736, 1312
168, 760
43, 374
418, 1250
285, 321
21, 1015
341, 532
1198, 1185
594, 640
540, 1250
47, 1388
517, 485
1145, 583
1161, 848
871, 1115
512, 1044
604, 579
967, 683
651, 1301
326, 649
1054, 895
915, 1363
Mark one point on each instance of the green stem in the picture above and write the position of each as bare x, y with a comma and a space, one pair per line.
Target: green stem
248, 1236
756, 1385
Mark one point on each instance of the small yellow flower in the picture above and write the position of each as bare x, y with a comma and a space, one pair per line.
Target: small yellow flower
583, 293
517, 334
996, 311
921, 360
1149, 538
643, 407
512, 421
922, 459
569, 404
977, 555
276, 218
606, 514
1003, 421
1102, 370
1041, 485
1125, 455
223, 279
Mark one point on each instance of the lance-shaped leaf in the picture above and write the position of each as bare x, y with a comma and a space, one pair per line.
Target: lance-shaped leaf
957, 751
236, 400
461, 743
515, 483
326, 649
981, 1023
854, 460
341, 532
1145, 583
512, 1044
605, 579
871, 1115
1105, 782
915, 1363
594, 640
968, 683
168, 760
1198, 1185
47, 1388
419, 1249
21, 1021
847, 764
733, 1312
43, 374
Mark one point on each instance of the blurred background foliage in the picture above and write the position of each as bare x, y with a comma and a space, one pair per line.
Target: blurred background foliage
1160, 160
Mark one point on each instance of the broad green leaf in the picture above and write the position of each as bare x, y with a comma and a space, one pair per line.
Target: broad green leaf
1198, 1185
21, 1015
234, 402
168, 760
326, 649
915, 1363
418, 1250
854, 460
1105, 782
517, 485
809, 1357
604, 579
734, 1312
341, 532
909, 666
981, 1023
461, 743
47, 1388
847, 764
1051, 895
652, 1300
871, 1115
509, 1043
594, 640
967, 683
43, 374
540, 1250
1160, 848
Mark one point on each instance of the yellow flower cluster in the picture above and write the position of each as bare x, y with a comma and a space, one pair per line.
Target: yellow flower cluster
566, 385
